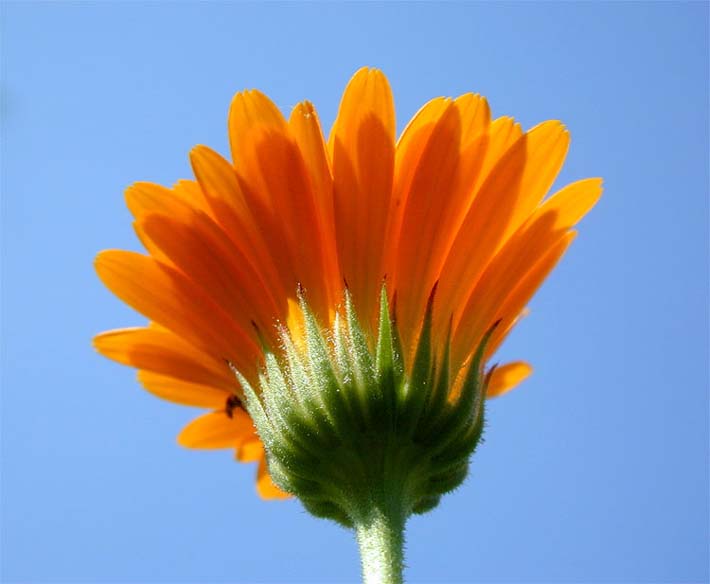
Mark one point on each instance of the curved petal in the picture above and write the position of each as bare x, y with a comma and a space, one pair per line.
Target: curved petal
475, 116
161, 351
507, 377
362, 153
184, 392
209, 259
440, 194
503, 133
513, 189
551, 219
277, 188
250, 451
410, 148
166, 296
217, 430
265, 486
509, 308
306, 131
521, 266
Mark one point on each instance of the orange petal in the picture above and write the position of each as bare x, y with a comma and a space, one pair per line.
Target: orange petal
209, 258
168, 297
278, 190
362, 151
502, 332
510, 308
219, 183
250, 451
410, 148
475, 116
572, 202
190, 192
555, 216
306, 131
522, 264
429, 204
184, 392
251, 112
161, 351
217, 430
228, 205
145, 197
253, 451
440, 193
507, 197
503, 133
506, 377
265, 486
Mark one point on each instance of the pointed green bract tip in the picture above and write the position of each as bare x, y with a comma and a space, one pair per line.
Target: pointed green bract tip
351, 430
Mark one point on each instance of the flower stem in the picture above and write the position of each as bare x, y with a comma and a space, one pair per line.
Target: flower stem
381, 541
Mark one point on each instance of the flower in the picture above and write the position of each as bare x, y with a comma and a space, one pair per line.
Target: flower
297, 234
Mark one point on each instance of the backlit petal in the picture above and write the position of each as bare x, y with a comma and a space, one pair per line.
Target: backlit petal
362, 152
507, 377
161, 351
165, 295
265, 486
217, 430
183, 392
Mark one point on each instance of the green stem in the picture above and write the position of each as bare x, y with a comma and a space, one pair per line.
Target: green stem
381, 541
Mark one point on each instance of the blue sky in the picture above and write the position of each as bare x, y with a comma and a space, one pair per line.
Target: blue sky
596, 470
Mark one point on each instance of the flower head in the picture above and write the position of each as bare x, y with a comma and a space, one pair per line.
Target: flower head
336, 291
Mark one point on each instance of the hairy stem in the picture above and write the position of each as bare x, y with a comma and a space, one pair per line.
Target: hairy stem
381, 541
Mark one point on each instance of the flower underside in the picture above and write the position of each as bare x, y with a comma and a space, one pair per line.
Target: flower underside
349, 428
457, 202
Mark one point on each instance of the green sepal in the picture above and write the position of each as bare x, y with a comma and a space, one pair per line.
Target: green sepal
422, 376
348, 428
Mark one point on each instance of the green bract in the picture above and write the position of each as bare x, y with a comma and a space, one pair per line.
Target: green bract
351, 433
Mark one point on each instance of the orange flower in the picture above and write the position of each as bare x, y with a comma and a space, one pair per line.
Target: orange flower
457, 203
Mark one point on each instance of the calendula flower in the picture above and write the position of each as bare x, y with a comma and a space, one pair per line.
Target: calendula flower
335, 304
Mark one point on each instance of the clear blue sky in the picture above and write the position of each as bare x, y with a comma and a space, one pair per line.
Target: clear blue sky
595, 470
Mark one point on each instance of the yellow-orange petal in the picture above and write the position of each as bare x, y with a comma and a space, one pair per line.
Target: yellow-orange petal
207, 256
217, 430
503, 132
502, 331
250, 451
510, 308
306, 131
508, 284
450, 163
410, 148
508, 196
184, 392
475, 117
166, 296
572, 202
542, 237
143, 198
251, 111
277, 187
161, 351
192, 194
362, 153
507, 377
265, 486
229, 207
424, 229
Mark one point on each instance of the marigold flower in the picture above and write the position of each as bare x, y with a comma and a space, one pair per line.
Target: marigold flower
345, 296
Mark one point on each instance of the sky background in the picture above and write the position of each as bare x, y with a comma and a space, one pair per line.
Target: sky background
595, 470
